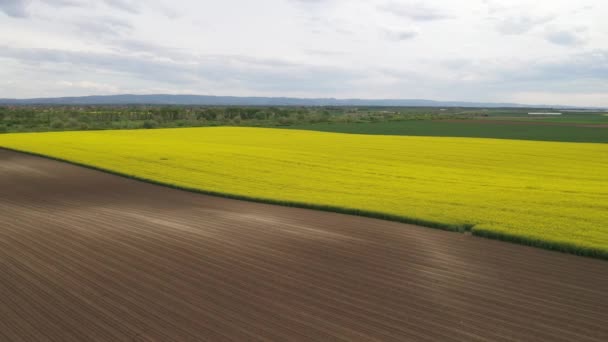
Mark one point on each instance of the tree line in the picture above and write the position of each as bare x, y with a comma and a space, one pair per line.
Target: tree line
37, 118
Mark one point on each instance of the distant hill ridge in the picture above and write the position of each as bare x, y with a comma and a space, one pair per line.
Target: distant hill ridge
209, 100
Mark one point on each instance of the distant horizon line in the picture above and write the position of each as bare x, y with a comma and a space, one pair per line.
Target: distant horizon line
273, 100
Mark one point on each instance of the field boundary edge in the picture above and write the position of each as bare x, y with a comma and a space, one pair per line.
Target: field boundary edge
463, 228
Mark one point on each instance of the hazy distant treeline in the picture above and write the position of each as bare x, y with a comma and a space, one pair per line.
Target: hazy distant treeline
61, 118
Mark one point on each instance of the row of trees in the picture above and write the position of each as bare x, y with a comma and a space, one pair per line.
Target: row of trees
45, 118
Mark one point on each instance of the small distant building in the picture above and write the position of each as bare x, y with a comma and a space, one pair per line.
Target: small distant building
539, 113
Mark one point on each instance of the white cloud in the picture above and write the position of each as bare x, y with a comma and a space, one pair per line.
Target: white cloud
400, 34
413, 10
98, 88
566, 37
520, 24
574, 99
477, 50
131, 6
14, 8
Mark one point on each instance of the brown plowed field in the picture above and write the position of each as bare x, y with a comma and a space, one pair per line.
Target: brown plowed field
88, 256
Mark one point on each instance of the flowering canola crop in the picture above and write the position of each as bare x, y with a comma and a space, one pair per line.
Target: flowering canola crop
549, 194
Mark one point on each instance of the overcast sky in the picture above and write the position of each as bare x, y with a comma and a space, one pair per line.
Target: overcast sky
525, 51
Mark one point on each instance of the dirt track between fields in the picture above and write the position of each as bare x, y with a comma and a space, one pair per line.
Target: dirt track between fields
88, 256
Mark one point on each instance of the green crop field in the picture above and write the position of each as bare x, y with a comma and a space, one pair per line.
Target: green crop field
548, 194
467, 128
574, 118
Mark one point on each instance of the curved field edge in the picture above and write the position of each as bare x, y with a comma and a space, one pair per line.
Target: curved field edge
564, 247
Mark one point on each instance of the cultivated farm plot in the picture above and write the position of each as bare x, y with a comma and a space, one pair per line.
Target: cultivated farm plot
493, 127
548, 194
89, 256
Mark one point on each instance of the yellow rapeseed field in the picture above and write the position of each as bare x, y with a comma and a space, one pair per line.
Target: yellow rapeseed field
543, 193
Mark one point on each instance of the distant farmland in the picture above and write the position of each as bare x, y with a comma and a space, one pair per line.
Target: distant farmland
548, 194
547, 129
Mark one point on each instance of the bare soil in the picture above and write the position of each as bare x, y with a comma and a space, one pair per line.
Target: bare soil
88, 256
